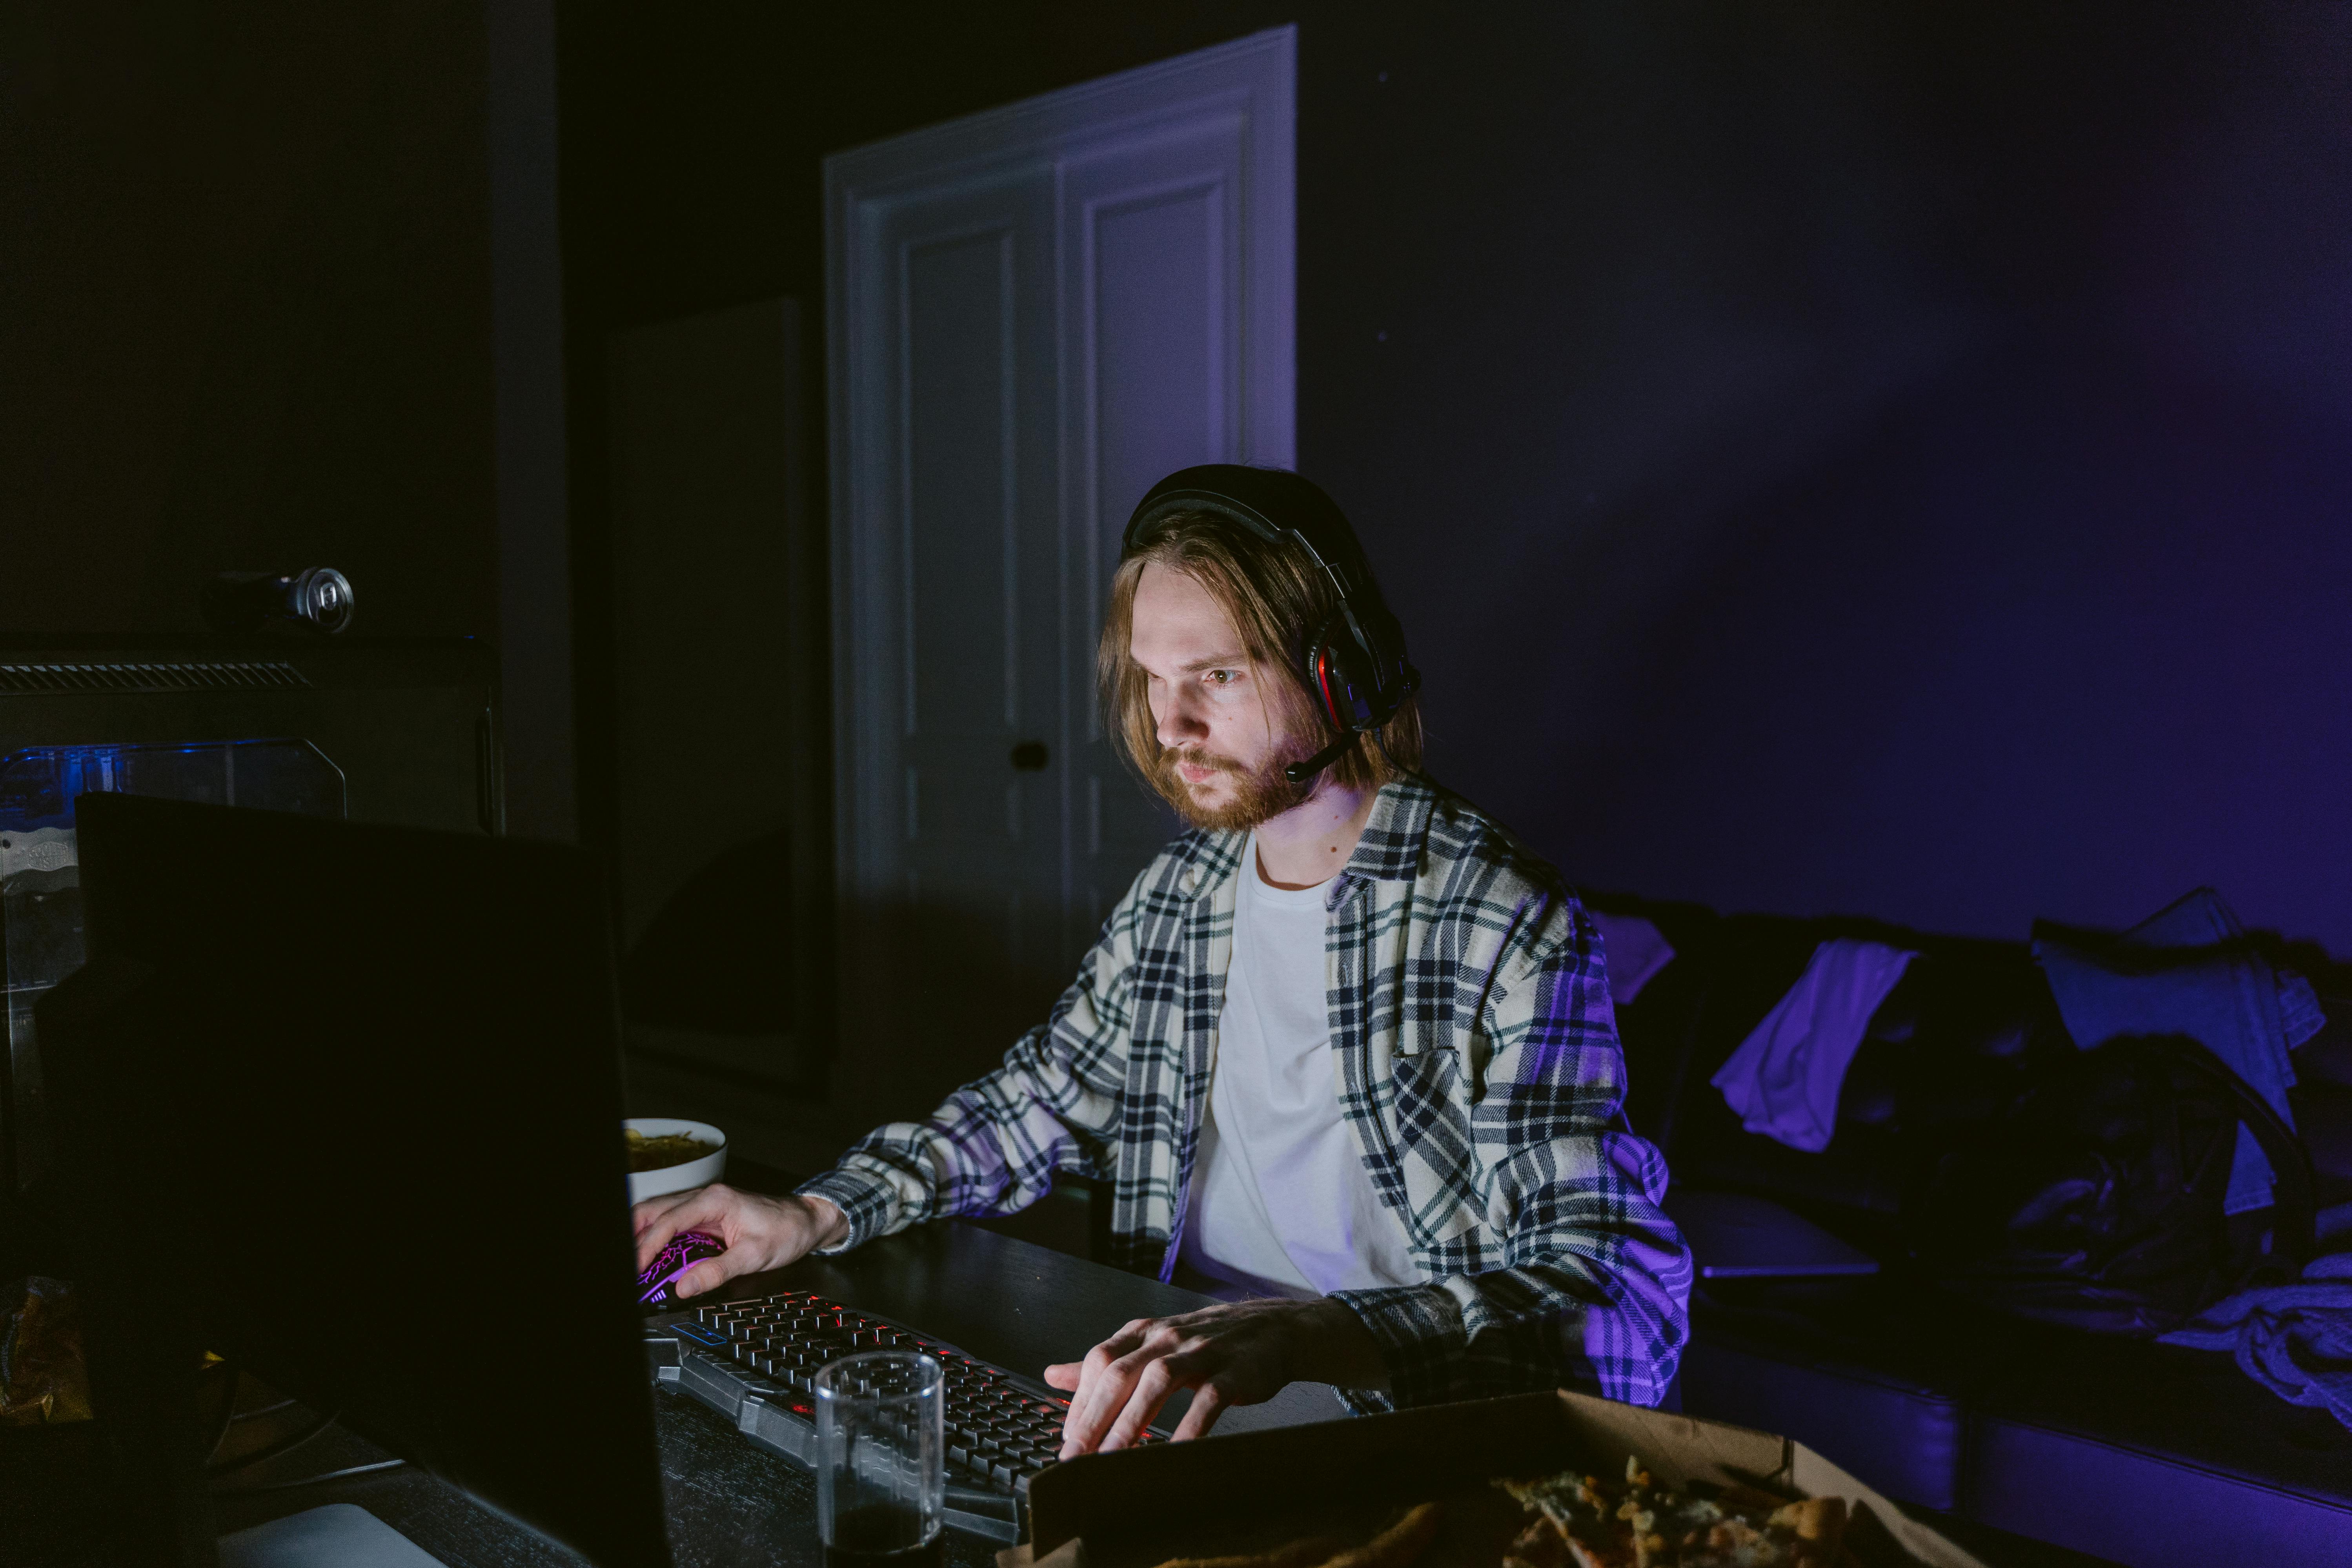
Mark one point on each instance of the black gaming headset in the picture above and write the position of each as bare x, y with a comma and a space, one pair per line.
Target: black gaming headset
1354, 662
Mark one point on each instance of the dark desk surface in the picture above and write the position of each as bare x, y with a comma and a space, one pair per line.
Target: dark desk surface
732, 1504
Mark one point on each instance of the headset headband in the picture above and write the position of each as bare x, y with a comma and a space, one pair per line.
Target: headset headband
1273, 504
1257, 498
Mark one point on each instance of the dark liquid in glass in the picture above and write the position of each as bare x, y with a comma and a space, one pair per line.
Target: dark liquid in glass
873, 1537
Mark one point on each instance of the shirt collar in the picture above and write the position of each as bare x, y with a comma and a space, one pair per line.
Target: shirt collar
1390, 849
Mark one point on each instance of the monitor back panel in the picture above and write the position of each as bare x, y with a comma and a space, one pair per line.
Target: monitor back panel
394, 1065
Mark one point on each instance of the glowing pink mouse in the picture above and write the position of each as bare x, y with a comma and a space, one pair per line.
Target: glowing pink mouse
684, 1251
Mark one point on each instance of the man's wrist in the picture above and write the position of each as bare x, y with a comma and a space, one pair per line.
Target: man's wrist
1328, 1343
828, 1225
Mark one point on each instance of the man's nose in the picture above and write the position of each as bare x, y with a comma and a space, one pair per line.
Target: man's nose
1176, 722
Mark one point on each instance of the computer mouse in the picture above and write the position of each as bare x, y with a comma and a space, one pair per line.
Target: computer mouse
683, 1251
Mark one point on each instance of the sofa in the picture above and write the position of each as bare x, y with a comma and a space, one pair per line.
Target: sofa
2125, 1450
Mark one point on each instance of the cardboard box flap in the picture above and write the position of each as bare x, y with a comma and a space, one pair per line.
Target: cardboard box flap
1678, 1449
1873, 1517
1146, 1505
1104, 1497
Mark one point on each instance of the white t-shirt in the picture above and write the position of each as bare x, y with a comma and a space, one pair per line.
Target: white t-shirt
1281, 1203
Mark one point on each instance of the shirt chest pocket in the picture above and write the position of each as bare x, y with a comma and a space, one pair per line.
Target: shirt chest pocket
1429, 1089
1451, 1061
1437, 1165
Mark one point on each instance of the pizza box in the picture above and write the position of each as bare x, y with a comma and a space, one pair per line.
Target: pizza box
1254, 1491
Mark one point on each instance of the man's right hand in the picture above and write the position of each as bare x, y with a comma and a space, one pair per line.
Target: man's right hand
759, 1232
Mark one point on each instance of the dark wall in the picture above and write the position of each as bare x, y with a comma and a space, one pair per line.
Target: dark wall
1887, 459
244, 309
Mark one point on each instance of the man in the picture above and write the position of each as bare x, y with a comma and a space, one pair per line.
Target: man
1344, 1052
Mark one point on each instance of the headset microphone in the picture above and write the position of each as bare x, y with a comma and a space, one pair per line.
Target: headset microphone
1300, 773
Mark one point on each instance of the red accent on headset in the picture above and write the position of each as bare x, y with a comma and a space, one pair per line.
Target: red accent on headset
1323, 679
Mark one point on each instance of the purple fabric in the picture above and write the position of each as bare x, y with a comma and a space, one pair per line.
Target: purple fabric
2294, 1339
1634, 949
2300, 1014
1784, 1080
2186, 970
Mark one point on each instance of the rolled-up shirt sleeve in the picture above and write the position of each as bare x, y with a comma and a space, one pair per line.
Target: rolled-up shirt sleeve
995, 1145
1594, 1286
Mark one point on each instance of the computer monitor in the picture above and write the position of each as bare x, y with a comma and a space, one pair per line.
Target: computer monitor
343, 1104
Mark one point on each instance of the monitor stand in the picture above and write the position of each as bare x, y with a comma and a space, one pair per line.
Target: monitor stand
340, 1535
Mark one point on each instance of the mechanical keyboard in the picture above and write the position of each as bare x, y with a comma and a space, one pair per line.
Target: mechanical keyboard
753, 1362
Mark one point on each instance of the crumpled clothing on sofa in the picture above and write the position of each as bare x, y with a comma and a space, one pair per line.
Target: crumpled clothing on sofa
1785, 1078
1636, 949
2294, 1339
2188, 971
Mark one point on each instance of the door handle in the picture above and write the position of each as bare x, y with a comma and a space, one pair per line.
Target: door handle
1029, 757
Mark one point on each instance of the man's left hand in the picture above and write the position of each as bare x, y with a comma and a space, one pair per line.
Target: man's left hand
1237, 1352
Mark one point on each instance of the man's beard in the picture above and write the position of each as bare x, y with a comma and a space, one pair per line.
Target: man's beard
1257, 797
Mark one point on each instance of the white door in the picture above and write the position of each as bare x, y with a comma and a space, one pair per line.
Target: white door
1035, 314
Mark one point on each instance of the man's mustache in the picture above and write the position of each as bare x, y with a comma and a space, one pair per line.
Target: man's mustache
1173, 759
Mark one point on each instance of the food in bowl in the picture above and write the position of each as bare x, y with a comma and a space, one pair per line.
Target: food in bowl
660, 1153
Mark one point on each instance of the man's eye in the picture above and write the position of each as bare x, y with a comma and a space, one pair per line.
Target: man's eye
1220, 677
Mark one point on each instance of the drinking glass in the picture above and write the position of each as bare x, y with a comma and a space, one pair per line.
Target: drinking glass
881, 1469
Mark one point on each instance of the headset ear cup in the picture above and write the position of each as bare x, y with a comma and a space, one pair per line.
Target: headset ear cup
1319, 664
1345, 673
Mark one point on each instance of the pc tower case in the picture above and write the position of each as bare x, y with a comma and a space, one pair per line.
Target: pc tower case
396, 732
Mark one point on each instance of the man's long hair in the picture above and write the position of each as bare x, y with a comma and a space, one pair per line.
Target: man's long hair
1277, 599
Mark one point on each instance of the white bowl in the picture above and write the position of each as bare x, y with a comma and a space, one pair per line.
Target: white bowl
644, 1184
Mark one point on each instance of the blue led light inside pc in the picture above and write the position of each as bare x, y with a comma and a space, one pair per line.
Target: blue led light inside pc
40, 873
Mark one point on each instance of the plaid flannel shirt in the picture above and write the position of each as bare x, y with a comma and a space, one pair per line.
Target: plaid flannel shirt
1477, 1060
